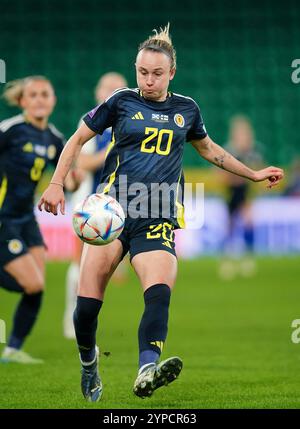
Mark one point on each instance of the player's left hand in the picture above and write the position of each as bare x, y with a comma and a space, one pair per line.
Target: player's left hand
272, 174
52, 198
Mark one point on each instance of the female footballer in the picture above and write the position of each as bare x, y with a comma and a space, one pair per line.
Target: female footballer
150, 127
28, 143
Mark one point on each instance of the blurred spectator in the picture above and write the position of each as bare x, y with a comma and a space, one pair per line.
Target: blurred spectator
238, 244
293, 187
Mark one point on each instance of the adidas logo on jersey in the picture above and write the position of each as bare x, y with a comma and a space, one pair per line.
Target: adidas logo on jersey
28, 147
138, 115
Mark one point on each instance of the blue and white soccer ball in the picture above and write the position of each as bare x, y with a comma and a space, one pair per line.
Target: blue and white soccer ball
98, 220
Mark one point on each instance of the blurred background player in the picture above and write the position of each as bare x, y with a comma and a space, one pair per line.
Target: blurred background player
238, 246
91, 161
293, 187
28, 143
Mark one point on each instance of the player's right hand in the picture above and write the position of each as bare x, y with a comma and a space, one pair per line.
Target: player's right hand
52, 198
273, 174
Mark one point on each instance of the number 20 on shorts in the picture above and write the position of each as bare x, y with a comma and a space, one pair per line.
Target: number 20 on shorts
164, 230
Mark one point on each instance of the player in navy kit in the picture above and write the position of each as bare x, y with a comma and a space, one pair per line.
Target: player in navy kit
150, 127
27, 145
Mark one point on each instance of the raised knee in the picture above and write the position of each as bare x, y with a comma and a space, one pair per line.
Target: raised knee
105, 271
34, 286
90, 282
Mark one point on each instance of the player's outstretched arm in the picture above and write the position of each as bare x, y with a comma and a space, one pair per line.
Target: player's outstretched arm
215, 154
54, 194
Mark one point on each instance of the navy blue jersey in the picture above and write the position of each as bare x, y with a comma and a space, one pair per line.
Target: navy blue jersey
146, 151
25, 151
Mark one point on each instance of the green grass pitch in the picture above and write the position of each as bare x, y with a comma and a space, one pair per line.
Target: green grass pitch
234, 339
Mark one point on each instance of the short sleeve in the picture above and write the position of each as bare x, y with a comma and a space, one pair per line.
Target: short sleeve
198, 130
89, 148
102, 116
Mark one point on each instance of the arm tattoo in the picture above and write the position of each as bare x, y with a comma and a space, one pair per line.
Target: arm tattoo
220, 160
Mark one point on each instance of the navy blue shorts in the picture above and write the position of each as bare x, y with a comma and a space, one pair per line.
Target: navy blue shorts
16, 239
144, 235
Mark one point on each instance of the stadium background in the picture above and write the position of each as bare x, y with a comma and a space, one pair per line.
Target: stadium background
233, 57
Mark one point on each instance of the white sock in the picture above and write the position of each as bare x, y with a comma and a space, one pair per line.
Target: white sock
71, 296
71, 287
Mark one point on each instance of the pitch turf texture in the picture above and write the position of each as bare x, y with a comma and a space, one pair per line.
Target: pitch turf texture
234, 339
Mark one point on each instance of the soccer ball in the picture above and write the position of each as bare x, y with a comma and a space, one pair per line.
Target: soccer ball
98, 220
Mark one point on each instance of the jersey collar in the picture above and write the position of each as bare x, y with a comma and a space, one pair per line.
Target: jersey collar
169, 94
26, 119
